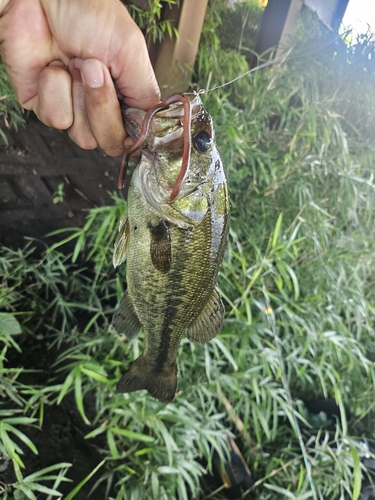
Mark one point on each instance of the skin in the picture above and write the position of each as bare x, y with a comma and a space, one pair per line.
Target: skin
70, 60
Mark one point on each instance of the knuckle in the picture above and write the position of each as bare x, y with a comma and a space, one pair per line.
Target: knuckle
53, 118
84, 140
113, 151
60, 122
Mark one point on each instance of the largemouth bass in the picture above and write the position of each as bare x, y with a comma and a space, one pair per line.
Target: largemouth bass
173, 239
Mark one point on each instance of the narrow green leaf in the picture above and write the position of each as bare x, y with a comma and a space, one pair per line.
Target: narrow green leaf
155, 484
96, 432
17, 471
112, 445
9, 445
92, 321
19, 420
40, 474
26, 490
132, 435
22, 437
43, 489
282, 491
226, 352
78, 247
65, 240
79, 396
293, 275
66, 386
276, 232
144, 451
181, 488
78, 488
167, 469
357, 473
94, 375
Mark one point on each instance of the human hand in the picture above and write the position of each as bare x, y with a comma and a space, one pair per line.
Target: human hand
68, 60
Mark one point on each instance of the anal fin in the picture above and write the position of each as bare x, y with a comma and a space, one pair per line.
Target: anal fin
122, 242
209, 322
125, 320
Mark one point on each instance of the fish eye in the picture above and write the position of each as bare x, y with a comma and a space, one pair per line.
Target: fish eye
202, 142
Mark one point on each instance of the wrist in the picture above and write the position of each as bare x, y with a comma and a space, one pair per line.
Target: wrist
3, 6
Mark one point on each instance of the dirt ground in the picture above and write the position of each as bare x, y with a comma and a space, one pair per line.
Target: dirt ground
47, 182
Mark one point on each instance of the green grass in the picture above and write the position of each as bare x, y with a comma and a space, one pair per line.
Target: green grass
10, 110
296, 142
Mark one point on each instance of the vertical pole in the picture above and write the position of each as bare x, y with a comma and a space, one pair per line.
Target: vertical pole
173, 59
278, 22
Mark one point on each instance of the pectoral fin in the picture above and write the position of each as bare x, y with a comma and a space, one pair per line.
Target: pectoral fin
122, 242
209, 322
160, 247
125, 320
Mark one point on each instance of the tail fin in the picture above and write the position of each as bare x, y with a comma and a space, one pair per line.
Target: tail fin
142, 374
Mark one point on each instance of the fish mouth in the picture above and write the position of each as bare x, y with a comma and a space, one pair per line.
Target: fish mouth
160, 127
164, 128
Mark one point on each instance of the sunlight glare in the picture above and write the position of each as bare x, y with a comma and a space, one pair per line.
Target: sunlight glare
360, 16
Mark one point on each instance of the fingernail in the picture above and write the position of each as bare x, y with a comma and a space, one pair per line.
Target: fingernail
92, 73
128, 142
76, 63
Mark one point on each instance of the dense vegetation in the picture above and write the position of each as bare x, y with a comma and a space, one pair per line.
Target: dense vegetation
10, 110
298, 281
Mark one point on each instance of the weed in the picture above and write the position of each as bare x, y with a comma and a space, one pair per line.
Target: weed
299, 161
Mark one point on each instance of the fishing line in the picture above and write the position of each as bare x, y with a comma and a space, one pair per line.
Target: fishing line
164, 104
278, 60
257, 68
270, 315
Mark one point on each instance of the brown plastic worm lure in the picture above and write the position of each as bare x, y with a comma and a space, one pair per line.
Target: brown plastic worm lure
175, 98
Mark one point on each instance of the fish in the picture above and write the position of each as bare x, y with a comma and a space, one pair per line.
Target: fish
173, 239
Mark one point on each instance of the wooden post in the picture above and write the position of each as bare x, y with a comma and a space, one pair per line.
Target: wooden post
277, 25
280, 17
173, 59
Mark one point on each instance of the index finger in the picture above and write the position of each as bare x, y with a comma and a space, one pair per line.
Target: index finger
26, 48
93, 29
132, 72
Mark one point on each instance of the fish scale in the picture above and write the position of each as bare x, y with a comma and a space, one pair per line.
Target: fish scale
173, 247
167, 302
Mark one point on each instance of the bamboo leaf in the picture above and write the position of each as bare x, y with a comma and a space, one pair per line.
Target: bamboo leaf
78, 488
79, 395
357, 473
132, 435
276, 233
